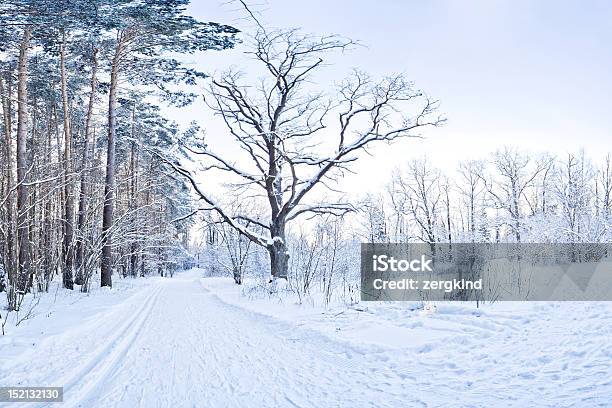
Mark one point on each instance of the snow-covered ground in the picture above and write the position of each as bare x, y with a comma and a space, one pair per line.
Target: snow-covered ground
190, 341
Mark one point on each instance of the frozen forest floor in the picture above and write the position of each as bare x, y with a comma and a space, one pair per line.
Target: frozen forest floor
193, 342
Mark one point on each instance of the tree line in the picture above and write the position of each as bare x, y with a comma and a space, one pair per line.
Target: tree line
514, 196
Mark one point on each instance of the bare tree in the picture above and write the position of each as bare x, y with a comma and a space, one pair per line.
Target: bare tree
517, 172
471, 187
605, 181
548, 161
424, 194
573, 193
236, 249
282, 127
375, 223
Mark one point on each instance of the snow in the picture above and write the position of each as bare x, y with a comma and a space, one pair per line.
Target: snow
194, 341
274, 240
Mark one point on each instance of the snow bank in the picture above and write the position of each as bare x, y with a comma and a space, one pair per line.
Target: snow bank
517, 352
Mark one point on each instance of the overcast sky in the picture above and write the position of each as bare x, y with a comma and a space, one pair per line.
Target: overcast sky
534, 74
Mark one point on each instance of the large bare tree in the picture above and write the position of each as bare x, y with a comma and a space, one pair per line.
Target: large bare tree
291, 143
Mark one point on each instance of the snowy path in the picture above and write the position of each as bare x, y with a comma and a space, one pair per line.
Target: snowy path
184, 347
174, 343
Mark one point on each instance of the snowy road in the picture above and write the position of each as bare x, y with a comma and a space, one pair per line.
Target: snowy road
184, 348
175, 343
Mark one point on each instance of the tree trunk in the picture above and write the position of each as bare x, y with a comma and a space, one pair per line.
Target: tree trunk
448, 221
237, 275
109, 185
22, 167
48, 244
69, 199
133, 194
517, 222
472, 215
6, 95
84, 162
279, 255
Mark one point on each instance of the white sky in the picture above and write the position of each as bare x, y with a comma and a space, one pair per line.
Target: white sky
534, 74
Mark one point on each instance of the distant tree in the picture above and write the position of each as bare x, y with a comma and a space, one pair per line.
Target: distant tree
374, 219
603, 186
516, 173
471, 189
574, 194
423, 193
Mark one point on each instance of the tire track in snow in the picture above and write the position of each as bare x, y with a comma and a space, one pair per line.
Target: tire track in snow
87, 378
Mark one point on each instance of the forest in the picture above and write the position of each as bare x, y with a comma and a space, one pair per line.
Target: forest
82, 189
